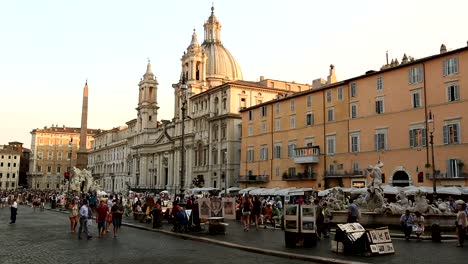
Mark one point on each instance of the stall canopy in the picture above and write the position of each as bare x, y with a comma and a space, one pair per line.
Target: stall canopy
449, 190
203, 190
390, 189
234, 189
247, 190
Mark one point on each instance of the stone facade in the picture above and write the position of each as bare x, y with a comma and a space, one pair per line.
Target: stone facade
328, 136
50, 157
10, 158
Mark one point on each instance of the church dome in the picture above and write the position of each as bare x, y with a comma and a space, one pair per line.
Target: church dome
220, 64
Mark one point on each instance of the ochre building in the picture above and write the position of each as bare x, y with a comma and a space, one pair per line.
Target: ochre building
328, 136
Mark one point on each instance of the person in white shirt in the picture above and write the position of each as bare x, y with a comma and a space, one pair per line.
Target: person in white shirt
14, 210
84, 215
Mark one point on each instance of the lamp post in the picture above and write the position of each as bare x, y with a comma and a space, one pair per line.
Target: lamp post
113, 183
69, 171
183, 89
225, 173
431, 141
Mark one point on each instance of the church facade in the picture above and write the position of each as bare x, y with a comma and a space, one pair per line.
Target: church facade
212, 91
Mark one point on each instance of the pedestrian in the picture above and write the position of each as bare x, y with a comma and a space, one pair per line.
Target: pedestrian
157, 215
73, 215
353, 213
13, 210
110, 203
461, 222
327, 217
406, 222
117, 212
256, 210
246, 211
101, 215
418, 225
319, 220
84, 215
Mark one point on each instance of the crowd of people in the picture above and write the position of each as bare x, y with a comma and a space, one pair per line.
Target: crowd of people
182, 212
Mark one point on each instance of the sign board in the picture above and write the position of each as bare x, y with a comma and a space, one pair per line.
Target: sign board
308, 216
229, 208
291, 218
204, 207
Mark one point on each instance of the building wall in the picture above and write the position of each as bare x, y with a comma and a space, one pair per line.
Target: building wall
49, 159
398, 118
9, 168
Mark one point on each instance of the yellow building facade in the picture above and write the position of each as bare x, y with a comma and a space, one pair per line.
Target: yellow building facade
328, 136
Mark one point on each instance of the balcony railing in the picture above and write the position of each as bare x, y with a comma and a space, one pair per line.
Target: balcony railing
307, 155
254, 178
300, 177
446, 176
341, 174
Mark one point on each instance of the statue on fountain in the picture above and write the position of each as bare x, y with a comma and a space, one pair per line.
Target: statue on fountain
374, 197
83, 178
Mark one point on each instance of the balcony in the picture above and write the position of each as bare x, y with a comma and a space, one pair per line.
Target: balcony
300, 177
344, 174
307, 155
253, 178
447, 176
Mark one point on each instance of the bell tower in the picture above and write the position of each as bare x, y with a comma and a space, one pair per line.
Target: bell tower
147, 101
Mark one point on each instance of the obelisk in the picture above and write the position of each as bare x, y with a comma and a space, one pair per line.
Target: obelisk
82, 154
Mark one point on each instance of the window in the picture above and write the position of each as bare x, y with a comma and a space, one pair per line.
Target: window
250, 115
264, 128
416, 98
59, 169
354, 110
214, 153
331, 148
450, 66
277, 171
379, 105
452, 133
309, 119
355, 167
452, 92
417, 137
354, 141
330, 114
329, 96
39, 155
250, 130
14, 165
291, 172
353, 89
264, 152
292, 105
263, 111
380, 140
49, 168
291, 149
277, 153
14, 175
9, 164
278, 108
59, 155
309, 100
415, 75
49, 155
453, 168
39, 168
250, 154
340, 93
292, 122
379, 84
277, 124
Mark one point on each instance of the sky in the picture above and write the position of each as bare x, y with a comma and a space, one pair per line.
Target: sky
49, 48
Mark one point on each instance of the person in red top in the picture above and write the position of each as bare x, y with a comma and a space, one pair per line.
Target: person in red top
102, 212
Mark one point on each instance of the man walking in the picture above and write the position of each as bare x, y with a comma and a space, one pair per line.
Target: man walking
102, 212
14, 210
117, 211
84, 215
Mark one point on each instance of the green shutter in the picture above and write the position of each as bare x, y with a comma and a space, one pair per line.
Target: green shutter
446, 135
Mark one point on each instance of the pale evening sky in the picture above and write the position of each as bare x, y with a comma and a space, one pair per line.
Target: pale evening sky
49, 48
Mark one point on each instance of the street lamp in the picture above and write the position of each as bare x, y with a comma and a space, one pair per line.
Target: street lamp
183, 89
69, 170
225, 173
431, 141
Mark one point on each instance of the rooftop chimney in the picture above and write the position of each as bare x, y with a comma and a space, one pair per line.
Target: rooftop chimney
332, 77
443, 49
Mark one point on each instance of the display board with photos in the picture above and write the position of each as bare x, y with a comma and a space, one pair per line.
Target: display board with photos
291, 218
380, 241
308, 224
229, 208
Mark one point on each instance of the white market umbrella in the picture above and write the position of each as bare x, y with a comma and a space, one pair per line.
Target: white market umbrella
449, 190
390, 189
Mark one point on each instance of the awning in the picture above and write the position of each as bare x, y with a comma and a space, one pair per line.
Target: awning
449, 190
247, 190
390, 189
234, 189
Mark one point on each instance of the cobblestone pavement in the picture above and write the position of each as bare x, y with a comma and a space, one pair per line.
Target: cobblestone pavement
42, 237
406, 251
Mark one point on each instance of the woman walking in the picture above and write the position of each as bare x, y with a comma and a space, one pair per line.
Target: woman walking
74, 215
256, 210
246, 211
461, 223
